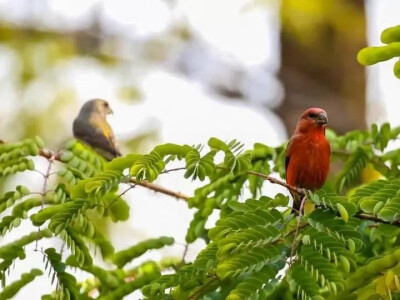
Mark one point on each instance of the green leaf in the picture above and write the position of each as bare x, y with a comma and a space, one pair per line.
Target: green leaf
250, 286
334, 202
343, 212
12, 289
324, 272
127, 288
122, 163
9, 249
302, 282
121, 258
173, 149
148, 167
78, 247
390, 35
217, 144
373, 55
67, 285
119, 210
396, 69
247, 262
353, 167
199, 167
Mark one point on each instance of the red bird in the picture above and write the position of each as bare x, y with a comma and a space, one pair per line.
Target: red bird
308, 153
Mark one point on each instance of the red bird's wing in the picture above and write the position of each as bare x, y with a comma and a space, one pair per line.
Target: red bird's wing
287, 158
290, 172
289, 177
306, 163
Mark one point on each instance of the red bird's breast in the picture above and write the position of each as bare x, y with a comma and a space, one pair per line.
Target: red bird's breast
307, 162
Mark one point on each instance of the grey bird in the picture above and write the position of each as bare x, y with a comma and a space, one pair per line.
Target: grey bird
92, 128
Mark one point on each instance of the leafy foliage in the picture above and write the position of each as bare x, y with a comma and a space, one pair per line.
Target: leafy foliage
13, 288
249, 245
121, 258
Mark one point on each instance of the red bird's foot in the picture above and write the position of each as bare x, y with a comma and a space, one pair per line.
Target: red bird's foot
304, 192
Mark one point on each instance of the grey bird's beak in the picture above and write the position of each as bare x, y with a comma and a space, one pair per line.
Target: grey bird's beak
322, 119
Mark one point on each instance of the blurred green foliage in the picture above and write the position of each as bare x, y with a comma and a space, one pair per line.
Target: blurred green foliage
372, 55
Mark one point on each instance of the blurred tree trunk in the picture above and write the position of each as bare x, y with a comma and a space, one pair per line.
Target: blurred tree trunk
320, 41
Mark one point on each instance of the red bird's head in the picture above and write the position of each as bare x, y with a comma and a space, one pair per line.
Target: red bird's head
312, 120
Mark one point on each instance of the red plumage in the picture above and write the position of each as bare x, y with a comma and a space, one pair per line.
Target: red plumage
308, 153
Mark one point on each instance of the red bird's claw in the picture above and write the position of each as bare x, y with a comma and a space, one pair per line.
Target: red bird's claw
303, 191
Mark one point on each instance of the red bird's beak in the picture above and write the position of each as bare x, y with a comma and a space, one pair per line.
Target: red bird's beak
322, 119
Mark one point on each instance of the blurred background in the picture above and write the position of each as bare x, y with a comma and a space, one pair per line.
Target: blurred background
182, 71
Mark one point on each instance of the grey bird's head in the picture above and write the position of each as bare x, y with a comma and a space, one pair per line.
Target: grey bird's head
97, 106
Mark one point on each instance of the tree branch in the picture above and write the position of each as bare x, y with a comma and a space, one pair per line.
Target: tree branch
303, 201
159, 189
45, 182
368, 217
49, 154
296, 190
131, 186
52, 156
202, 288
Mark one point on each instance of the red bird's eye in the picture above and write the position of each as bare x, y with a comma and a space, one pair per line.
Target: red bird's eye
313, 115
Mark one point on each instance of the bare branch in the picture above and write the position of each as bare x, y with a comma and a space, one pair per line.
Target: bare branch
303, 201
159, 189
45, 183
277, 181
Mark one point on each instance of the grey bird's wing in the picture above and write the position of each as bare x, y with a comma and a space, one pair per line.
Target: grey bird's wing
92, 136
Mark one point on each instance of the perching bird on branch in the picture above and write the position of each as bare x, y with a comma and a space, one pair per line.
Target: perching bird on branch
92, 128
308, 153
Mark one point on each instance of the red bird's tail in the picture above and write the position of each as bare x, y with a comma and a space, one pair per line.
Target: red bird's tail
296, 203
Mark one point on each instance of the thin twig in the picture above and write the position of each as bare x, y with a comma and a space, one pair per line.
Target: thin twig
303, 201
173, 170
367, 217
131, 186
265, 176
277, 181
39, 172
46, 178
49, 154
62, 248
184, 254
296, 229
202, 288
45, 183
36, 193
157, 188
151, 186
182, 262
